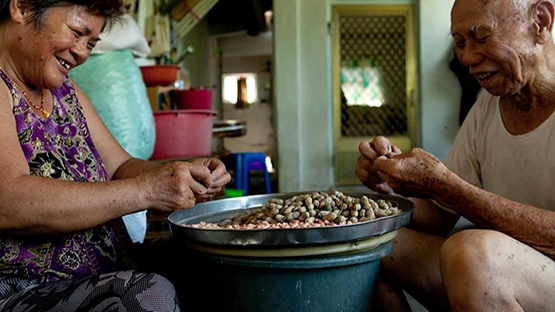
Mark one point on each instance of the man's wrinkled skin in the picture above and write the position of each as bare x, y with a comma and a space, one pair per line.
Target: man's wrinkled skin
507, 263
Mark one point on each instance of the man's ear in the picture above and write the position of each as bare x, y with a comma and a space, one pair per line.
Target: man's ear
543, 13
17, 11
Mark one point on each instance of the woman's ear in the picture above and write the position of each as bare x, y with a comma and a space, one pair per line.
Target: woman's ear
17, 11
543, 13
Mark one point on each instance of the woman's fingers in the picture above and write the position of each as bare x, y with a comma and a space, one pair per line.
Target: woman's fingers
201, 179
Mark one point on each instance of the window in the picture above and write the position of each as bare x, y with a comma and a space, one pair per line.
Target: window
231, 90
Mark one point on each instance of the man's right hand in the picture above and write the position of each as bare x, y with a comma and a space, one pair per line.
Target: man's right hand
365, 170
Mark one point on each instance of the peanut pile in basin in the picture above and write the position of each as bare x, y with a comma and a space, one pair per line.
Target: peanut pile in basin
308, 210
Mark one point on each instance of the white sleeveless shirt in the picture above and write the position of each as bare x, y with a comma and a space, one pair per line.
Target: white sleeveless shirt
516, 167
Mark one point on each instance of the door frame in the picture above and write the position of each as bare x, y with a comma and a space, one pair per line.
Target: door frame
342, 145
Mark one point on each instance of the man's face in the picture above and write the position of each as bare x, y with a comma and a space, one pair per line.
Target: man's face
493, 41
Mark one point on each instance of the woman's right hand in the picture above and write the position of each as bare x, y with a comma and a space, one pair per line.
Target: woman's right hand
365, 170
175, 185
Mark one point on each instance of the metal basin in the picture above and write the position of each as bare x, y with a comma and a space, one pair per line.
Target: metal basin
218, 210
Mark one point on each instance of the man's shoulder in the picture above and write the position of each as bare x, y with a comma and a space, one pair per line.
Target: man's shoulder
485, 106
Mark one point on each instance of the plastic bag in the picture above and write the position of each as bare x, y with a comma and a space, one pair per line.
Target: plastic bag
114, 84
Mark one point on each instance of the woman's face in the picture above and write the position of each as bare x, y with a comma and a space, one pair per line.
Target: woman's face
493, 41
66, 39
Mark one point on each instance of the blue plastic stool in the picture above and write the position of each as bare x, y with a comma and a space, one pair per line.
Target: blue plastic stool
242, 164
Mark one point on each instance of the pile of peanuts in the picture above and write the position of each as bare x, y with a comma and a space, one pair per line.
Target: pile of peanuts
308, 210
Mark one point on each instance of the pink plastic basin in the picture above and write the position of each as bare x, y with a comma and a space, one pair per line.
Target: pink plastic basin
192, 98
183, 133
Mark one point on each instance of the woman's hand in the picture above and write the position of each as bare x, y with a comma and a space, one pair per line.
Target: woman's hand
365, 169
220, 176
416, 173
175, 185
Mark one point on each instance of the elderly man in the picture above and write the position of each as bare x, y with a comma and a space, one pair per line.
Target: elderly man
500, 175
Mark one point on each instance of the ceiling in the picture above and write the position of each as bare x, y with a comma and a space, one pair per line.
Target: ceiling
238, 15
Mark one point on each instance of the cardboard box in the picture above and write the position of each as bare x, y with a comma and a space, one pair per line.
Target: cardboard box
159, 98
181, 9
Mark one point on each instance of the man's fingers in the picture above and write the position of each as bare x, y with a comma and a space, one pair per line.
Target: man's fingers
381, 145
367, 150
364, 162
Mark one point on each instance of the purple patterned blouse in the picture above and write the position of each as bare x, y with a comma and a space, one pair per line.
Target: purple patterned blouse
60, 147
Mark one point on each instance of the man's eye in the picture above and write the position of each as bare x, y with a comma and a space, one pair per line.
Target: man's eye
480, 36
77, 33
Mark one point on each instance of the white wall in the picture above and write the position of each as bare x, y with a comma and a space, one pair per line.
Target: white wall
440, 90
303, 88
303, 95
258, 116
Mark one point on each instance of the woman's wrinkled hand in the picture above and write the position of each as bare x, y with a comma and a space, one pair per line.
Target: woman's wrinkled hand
218, 172
175, 185
365, 169
416, 173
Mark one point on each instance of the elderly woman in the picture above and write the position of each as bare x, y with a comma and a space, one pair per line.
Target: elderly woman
63, 246
500, 175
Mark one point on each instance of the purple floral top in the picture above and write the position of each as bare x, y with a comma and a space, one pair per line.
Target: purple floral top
60, 147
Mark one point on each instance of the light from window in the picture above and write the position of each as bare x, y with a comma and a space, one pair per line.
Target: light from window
230, 82
362, 86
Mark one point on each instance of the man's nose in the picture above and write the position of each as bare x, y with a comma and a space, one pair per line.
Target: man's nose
470, 55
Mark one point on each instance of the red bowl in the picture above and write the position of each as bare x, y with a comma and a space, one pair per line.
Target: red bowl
159, 75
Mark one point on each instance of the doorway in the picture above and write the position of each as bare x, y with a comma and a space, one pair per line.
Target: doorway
374, 80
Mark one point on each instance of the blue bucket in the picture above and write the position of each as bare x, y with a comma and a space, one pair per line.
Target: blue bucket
335, 282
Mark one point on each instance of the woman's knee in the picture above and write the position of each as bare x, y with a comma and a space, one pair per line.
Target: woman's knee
136, 291
156, 293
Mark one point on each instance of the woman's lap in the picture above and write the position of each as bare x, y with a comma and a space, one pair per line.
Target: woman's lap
117, 291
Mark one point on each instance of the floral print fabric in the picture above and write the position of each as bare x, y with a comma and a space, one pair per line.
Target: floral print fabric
60, 147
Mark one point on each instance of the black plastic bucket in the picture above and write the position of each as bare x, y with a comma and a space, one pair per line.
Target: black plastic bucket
335, 282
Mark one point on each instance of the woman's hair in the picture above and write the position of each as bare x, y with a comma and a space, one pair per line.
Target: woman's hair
112, 10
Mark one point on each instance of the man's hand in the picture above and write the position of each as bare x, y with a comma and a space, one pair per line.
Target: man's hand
416, 173
365, 169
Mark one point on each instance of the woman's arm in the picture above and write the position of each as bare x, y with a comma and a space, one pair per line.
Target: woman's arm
31, 205
120, 165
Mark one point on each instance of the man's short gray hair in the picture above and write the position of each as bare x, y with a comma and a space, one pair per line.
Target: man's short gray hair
522, 5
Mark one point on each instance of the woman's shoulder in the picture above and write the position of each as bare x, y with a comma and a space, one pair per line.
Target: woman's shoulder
7, 90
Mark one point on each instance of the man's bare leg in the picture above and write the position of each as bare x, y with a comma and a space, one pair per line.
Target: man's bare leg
413, 266
486, 270
389, 299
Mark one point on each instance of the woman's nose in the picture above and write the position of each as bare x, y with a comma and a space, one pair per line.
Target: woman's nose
80, 51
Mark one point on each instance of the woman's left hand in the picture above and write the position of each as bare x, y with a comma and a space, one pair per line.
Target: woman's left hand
415, 173
220, 176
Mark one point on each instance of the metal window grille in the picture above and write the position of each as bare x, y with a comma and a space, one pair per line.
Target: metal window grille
373, 75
